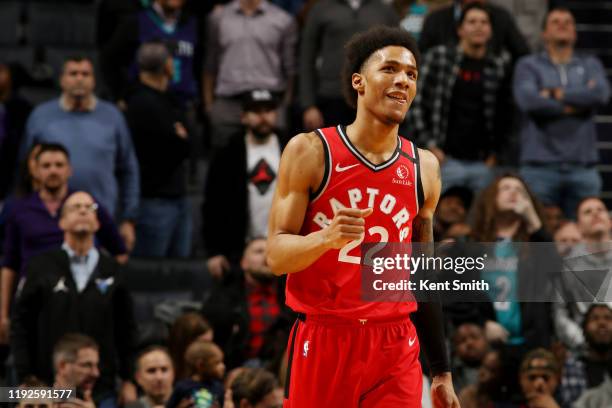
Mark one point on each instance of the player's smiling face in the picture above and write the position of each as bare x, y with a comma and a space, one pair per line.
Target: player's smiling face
387, 83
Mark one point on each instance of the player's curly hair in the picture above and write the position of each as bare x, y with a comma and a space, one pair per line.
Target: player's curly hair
362, 45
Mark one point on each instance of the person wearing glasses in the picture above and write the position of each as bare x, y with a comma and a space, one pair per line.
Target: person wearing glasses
76, 288
32, 224
76, 359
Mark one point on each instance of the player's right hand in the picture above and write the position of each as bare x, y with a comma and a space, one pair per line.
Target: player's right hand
348, 225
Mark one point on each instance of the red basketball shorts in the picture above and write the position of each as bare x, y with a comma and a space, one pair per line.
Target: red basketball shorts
344, 363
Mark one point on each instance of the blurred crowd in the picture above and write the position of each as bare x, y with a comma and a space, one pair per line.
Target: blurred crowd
167, 146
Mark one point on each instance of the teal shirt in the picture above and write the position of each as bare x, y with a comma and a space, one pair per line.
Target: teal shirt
501, 275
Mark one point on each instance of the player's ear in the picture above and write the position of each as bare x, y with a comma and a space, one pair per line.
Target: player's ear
358, 82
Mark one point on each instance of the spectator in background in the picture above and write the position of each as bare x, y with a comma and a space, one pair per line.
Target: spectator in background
507, 213
98, 140
451, 213
27, 179
588, 367
587, 272
255, 388
111, 14
75, 361
566, 237
14, 112
328, 27
32, 225
205, 371
539, 376
463, 109
558, 92
470, 347
27, 182
528, 17
251, 45
497, 383
155, 376
440, 28
34, 382
600, 396
553, 215
245, 305
76, 289
185, 330
413, 12
163, 20
244, 170
158, 127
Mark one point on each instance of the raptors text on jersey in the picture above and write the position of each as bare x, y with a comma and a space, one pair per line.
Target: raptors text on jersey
332, 284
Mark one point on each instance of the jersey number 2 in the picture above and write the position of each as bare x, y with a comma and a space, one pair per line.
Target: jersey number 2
343, 255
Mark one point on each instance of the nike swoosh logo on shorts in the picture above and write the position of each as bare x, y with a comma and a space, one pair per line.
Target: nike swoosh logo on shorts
411, 341
345, 168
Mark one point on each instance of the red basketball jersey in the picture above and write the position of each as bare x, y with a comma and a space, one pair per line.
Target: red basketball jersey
332, 284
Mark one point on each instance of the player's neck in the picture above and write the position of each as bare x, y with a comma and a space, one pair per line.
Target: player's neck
372, 135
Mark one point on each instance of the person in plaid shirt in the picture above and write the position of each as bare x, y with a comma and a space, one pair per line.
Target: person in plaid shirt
245, 305
464, 105
589, 367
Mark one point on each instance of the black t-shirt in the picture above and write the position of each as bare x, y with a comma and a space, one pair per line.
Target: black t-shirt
162, 155
466, 134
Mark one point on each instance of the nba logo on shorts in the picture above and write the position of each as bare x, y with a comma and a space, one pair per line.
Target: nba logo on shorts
306, 345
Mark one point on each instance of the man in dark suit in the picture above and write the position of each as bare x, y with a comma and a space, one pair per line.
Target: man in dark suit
75, 289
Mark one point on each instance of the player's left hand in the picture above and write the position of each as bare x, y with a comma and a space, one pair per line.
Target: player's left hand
442, 392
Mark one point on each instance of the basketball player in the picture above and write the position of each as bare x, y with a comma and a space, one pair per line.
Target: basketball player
338, 187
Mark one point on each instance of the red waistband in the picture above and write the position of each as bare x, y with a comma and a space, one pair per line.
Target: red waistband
326, 319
